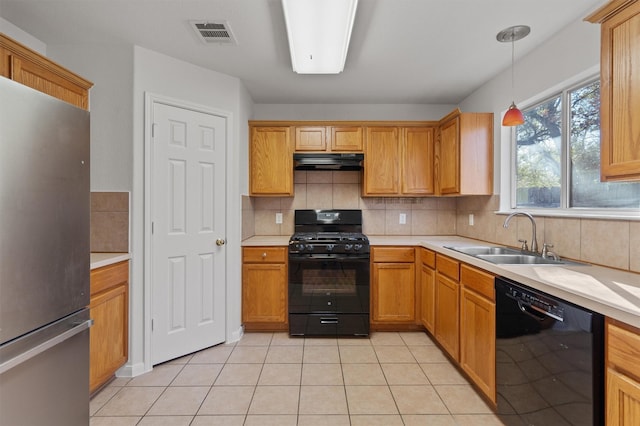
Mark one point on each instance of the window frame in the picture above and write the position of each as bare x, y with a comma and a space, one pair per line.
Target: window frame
508, 183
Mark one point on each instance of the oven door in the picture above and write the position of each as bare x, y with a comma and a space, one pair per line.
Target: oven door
321, 284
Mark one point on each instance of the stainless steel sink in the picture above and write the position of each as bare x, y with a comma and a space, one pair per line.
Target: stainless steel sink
518, 259
508, 256
478, 250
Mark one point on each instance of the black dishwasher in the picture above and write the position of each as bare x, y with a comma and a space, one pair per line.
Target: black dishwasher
549, 359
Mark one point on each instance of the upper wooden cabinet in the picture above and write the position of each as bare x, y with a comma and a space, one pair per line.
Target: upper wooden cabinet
328, 138
464, 154
398, 161
619, 89
270, 161
23, 65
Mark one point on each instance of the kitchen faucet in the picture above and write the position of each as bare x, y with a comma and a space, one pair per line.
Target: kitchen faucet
534, 241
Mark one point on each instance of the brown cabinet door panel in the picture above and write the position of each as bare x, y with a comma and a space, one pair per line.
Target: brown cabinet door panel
393, 292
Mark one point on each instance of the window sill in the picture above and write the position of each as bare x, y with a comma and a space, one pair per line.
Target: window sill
632, 215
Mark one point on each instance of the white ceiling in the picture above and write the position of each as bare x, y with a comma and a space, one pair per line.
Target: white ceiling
401, 51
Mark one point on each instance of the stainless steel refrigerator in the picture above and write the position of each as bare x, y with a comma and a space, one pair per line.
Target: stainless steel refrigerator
44, 259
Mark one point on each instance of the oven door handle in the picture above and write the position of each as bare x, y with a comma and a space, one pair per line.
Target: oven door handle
313, 258
328, 320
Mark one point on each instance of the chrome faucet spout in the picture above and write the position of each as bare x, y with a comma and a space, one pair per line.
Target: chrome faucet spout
534, 241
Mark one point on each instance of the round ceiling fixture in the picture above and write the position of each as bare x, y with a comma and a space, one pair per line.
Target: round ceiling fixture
515, 33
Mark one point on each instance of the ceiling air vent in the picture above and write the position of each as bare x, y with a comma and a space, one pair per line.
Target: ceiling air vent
213, 32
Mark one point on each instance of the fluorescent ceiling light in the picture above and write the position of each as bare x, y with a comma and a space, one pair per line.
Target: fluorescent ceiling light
319, 33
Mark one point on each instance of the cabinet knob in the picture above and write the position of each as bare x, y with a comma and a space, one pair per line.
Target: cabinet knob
264, 255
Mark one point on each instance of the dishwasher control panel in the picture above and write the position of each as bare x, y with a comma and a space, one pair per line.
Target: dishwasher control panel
537, 301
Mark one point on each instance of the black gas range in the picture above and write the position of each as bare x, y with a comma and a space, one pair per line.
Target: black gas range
328, 274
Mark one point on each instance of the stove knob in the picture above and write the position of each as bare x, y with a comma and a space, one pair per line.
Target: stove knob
300, 247
357, 247
330, 247
309, 247
348, 247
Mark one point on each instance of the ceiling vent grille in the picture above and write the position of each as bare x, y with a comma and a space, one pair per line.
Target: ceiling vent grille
213, 32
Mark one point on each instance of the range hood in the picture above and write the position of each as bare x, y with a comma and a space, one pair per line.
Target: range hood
315, 161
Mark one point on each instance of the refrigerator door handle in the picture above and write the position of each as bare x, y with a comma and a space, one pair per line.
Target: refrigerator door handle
36, 350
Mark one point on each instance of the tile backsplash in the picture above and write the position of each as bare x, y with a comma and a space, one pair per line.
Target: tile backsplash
341, 190
606, 242
110, 222
612, 243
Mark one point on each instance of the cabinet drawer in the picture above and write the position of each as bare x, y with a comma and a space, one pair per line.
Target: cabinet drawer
109, 276
477, 280
448, 267
264, 254
623, 347
428, 257
393, 254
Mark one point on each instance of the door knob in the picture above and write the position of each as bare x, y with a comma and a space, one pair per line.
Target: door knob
220, 242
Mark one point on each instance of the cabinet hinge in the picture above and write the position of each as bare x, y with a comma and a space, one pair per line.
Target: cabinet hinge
151, 324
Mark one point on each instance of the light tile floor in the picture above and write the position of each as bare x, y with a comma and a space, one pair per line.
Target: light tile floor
271, 379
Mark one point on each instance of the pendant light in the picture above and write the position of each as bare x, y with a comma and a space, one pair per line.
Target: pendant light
513, 116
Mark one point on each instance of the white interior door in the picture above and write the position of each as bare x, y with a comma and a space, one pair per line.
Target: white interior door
188, 214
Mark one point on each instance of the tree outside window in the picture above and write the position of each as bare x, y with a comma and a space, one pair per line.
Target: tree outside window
544, 141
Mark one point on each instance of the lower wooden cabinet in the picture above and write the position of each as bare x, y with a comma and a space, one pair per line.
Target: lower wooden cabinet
427, 289
447, 317
264, 288
478, 328
109, 309
622, 403
393, 285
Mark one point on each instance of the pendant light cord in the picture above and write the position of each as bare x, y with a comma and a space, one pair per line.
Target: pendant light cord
513, 87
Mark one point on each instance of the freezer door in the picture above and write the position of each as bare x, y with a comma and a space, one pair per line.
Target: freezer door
44, 209
44, 376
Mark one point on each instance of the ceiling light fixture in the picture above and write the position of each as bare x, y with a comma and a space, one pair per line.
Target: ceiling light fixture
513, 116
319, 32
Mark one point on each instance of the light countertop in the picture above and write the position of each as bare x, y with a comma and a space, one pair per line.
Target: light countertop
99, 260
611, 292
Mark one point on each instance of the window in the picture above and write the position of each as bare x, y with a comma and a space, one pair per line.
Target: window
557, 156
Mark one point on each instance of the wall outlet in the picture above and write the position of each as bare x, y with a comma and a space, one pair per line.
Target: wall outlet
403, 219
470, 219
279, 218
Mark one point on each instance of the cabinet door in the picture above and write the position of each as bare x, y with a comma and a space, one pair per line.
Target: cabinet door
477, 340
393, 292
346, 139
264, 293
417, 161
620, 96
109, 334
427, 297
622, 400
271, 161
311, 138
448, 158
447, 314
381, 161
